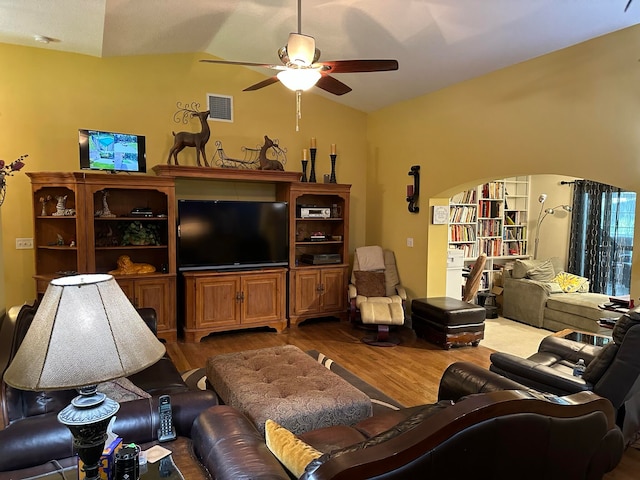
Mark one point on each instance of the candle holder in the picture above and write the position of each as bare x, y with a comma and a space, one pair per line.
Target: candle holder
332, 178
304, 170
312, 174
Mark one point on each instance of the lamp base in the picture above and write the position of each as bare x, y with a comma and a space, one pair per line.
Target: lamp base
87, 417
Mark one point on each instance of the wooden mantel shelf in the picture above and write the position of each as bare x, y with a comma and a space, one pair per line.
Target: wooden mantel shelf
215, 173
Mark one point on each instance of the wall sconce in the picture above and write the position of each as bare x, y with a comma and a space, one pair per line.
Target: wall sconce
413, 191
542, 215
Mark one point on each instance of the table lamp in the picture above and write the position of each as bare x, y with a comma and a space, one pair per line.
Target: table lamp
85, 331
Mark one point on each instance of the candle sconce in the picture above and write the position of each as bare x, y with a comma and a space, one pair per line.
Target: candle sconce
413, 191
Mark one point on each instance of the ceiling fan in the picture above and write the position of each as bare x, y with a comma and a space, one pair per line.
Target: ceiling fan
300, 69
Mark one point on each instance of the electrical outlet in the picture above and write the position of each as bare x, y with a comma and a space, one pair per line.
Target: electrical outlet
409, 242
24, 243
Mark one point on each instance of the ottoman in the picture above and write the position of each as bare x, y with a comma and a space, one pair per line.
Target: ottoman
286, 385
447, 321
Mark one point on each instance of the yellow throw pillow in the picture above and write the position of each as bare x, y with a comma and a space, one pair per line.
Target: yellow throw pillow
571, 283
292, 452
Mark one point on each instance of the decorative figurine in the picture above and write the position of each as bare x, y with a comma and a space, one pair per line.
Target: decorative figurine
266, 163
127, 267
189, 139
61, 209
104, 212
44, 201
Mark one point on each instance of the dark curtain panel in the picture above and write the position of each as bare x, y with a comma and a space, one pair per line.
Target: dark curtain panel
601, 241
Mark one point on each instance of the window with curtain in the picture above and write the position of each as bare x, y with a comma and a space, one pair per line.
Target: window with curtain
601, 241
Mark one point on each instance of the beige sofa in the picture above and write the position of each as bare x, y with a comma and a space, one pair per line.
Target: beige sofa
533, 297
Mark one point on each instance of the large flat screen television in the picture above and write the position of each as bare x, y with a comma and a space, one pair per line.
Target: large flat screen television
224, 234
112, 151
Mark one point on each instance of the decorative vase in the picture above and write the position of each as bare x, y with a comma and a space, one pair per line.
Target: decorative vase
312, 175
304, 170
332, 178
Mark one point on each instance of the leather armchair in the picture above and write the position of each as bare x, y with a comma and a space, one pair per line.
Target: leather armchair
30, 434
612, 371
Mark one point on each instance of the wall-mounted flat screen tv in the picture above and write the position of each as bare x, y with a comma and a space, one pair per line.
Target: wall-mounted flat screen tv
221, 234
112, 151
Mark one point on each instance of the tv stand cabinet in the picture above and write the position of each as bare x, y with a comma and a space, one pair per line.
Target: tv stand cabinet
222, 301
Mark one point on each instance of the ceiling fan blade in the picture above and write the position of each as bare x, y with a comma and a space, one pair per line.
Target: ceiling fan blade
356, 66
332, 85
245, 64
262, 84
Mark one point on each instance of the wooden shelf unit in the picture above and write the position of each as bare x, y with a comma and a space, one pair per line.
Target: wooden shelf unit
317, 290
98, 239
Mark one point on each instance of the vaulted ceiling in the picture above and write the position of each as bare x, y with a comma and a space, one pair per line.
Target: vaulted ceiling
436, 42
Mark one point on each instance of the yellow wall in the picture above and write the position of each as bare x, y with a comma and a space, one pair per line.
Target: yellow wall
573, 112
46, 96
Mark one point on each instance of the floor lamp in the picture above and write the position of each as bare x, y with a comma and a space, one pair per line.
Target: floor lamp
84, 332
542, 215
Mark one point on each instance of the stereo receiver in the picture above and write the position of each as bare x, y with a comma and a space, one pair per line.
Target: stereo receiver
307, 211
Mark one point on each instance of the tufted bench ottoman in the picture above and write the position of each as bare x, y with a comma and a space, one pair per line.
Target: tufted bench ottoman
286, 385
447, 321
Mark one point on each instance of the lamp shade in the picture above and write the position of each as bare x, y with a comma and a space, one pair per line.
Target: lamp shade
85, 331
299, 78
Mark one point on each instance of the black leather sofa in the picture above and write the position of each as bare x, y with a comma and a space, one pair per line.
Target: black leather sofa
31, 436
497, 432
613, 371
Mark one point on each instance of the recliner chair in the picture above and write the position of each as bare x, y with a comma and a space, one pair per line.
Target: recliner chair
375, 294
612, 371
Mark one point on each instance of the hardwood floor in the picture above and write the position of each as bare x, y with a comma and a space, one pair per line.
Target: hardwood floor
410, 372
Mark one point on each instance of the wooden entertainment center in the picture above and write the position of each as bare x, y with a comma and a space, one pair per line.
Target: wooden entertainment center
83, 241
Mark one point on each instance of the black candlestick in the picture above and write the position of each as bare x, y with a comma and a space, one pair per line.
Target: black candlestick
304, 170
312, 175
332, 178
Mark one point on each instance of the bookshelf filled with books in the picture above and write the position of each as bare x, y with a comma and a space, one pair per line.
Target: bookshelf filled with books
491, 218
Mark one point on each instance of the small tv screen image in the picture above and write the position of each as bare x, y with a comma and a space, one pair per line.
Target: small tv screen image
112, 151
216, 234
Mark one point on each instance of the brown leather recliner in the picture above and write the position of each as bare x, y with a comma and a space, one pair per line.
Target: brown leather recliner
30, 433
499, 434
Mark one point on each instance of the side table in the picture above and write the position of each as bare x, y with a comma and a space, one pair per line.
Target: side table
180, 465
583, 337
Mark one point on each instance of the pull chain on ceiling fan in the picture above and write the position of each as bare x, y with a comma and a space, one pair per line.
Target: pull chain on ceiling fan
301, 69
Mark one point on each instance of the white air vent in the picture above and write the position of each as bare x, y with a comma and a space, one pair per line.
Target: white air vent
221, 107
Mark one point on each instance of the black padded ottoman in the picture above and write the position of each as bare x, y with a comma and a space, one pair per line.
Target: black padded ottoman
447, 321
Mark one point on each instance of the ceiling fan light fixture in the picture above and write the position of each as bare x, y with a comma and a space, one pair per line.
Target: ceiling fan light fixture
301, 49
299, 78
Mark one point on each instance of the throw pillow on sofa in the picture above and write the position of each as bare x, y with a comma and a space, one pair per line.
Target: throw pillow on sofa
571, 283
543, 272
292, 452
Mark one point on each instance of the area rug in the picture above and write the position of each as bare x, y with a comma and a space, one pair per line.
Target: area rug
509, 336
197, 379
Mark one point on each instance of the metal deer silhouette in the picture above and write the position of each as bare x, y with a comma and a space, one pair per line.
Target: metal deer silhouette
190, 139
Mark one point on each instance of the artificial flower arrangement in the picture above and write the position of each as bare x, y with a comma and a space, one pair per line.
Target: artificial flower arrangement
7, 169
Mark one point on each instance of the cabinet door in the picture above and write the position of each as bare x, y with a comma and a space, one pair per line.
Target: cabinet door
262, 297
333, 289
157, 293
307, 291
218, 301
126, 284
